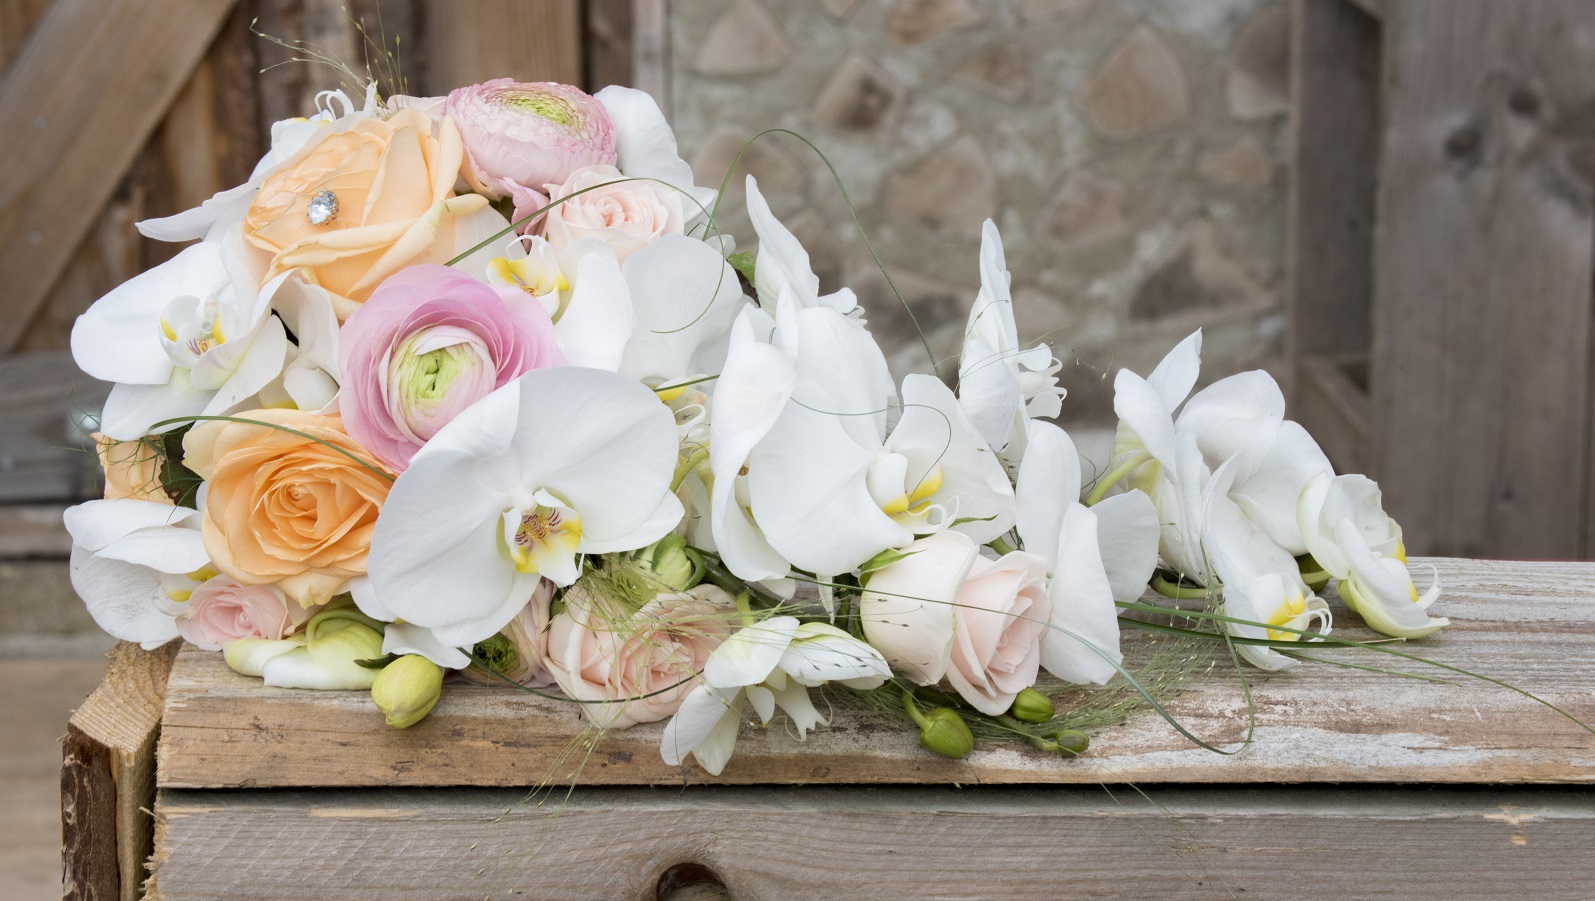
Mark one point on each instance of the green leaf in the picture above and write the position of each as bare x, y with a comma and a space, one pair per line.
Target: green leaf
742, 262
879, 562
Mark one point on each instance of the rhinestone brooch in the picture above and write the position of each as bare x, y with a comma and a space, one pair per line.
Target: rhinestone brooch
323, 208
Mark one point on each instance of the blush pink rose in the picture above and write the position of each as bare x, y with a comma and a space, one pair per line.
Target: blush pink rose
641, 665
1000, 618
221, 610
429, 343
625, 215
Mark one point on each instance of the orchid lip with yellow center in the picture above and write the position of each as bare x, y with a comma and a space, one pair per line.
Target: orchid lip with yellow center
1286, 614
542, 537
190, 328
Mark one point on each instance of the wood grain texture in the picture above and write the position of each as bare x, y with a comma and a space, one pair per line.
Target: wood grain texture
108, 778
470, 41
1330, 220
118, 87
1532, 624
1482, 324
870, 843
45, 403
607, 54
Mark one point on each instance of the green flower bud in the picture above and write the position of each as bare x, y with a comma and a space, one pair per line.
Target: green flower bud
407, 689
946, 733
1031, 706
673, 564
1072, 742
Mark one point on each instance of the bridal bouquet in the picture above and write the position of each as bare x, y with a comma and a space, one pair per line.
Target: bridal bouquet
476, 384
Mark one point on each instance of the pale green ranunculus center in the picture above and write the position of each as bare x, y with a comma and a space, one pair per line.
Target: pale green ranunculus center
426, 378
554, 109
436, 373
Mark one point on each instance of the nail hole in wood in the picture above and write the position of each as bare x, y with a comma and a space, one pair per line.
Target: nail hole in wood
690, 882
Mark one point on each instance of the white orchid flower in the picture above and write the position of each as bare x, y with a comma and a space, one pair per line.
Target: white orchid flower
581, 288
132, 562
831, 488
1094, 555
193, 336
556, 464
1000, 385
685, 297
1279, 603
1348, 532
768, 664
781, 269
310, 379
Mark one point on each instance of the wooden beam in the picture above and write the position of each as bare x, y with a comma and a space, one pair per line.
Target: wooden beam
469, 41
1192, 843
607, 52
1335, 407
1482, 316
108, 778
75, 109
47, 405
224, 730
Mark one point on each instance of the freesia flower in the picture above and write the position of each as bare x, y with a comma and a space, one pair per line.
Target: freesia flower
130, 560
767, 664
221, 610
290, 500
429, 343
1348, 532
641, 665
326, 657
193, 336
1000, 385
521, 136
556, 464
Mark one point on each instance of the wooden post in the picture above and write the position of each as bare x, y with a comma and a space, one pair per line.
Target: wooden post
1481, 322
108, 778
469, 42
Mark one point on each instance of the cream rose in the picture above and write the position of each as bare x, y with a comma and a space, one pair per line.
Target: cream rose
384, 193
222, 610
285, 509
944, 611
643, 662
627, 215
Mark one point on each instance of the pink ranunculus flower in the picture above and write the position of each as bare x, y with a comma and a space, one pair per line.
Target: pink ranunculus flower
641, 664
521, 136
429, 343
943, 611
221, 610
625, 215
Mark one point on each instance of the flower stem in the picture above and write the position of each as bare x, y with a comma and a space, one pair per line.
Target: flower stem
1001, 546
687, 466
1177, 591
1114, 475
913, 711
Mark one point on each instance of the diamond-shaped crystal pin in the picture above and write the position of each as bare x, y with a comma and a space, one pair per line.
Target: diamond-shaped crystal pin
323, 208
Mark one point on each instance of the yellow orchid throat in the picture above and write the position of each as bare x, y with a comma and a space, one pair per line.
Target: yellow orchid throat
537, 539
535, 277
1294, 605
917, 501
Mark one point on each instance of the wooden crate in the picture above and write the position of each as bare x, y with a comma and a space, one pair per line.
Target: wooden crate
1441, 263
1358, 784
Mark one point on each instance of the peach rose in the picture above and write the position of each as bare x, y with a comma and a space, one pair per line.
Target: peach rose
132, 469
221, 610
391, 184
643, 662
286, 509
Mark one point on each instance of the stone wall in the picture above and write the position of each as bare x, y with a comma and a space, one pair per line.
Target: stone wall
1131, 151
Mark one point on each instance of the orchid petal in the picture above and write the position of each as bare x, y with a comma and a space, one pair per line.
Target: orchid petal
1127, 532
1048, 483
1176, 373
750, 654
1083, 644
598, 321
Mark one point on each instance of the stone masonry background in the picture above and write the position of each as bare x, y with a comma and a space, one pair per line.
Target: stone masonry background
1131, 151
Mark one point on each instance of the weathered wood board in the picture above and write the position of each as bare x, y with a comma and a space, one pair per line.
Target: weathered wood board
889, 842
1532, 624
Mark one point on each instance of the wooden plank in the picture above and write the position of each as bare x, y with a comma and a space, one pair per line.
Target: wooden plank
1532, 624
55, 182
17, 18
607, 56
47, 405
1482, 347
650, 49
1333, 181
1374, 8
852, 842
33, 530
108, 778
473, 41
1336, 409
